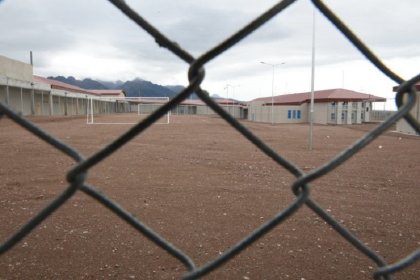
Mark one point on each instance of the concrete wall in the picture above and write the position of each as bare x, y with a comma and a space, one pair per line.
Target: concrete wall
320, 113
259, 112
368, 109
187, 109
28, 98
359, 112
235, 111
379, 116
19, 99
403, 126
204, 110
15, 69
324, 112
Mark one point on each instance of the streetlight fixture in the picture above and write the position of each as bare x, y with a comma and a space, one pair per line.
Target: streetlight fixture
272, 86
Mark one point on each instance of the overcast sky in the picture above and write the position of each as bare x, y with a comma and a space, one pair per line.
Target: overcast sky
93, 39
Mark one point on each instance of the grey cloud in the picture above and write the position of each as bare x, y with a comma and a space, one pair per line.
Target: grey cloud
50, 26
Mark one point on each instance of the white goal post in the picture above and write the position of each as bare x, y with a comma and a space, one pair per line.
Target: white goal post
123, 110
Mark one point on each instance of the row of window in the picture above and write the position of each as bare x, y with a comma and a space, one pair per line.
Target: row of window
354, 106
293, 114
362, 115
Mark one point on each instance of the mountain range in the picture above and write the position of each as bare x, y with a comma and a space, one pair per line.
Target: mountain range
133, 88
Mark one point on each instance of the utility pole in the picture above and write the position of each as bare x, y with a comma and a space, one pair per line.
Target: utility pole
311, 113
272, 87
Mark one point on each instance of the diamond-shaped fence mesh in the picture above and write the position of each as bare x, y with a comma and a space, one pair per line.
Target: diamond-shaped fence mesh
405, 99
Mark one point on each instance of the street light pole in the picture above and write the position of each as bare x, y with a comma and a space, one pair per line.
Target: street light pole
227, 97
233, 100
311, 113
272, 87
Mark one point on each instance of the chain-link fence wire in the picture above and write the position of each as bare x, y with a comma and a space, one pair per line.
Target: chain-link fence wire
405, 99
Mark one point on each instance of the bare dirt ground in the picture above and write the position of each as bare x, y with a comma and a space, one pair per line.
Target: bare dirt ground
203, 187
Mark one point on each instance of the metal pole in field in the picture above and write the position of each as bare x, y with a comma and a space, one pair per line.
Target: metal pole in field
7, 91
32, 99
272, 87
272, 98
233, 100
227, 97
91, 110
311, 117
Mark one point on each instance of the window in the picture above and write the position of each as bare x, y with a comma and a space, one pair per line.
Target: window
298, 114
342, 116
289, 114
333, 116
345, 105
294, 114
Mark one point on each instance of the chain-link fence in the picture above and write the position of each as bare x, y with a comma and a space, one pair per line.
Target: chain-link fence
405, 99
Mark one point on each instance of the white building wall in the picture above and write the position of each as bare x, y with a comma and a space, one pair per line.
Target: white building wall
359, 113
15, 69
320, 112
339, 112
257, 112
368, 108
349, 113
403, 126
204, 110
277, 113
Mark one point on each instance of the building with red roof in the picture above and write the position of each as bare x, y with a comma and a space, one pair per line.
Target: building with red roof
57, 85
30, 94
331, 106
34, 95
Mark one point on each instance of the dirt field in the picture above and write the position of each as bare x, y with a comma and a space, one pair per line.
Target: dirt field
203, 187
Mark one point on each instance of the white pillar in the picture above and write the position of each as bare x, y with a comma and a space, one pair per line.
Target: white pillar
339, 111
349, 111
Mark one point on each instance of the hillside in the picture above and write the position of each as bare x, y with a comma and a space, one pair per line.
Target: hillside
136, 87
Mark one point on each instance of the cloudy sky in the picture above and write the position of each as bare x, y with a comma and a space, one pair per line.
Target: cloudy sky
94, 39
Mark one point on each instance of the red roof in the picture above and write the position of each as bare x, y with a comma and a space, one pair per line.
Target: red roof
327, 95
59, 85
64, 86
107, 92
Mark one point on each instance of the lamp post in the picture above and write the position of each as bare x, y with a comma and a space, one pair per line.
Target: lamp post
233, 101
311, 113
272, 86
227, 96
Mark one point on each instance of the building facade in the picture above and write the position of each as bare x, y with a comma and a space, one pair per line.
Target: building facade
332, 106
29, 94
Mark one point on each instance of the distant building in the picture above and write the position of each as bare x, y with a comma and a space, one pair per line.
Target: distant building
29, 94
331, 106
235, 108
